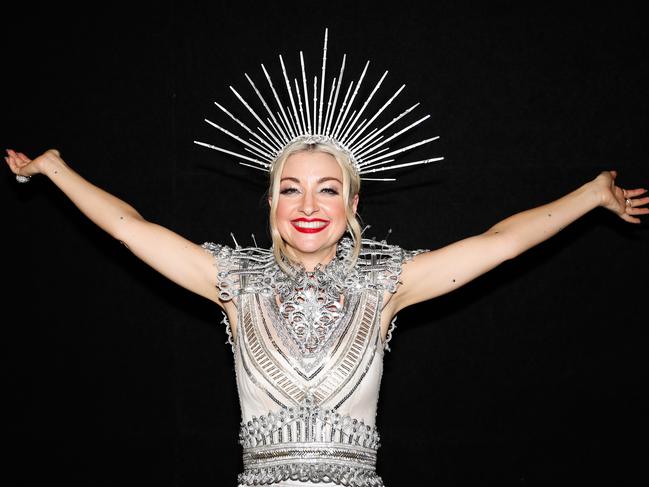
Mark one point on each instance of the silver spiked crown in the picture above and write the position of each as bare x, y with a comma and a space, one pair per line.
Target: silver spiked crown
312, 122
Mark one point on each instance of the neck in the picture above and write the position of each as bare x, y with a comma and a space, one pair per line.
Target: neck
310, 260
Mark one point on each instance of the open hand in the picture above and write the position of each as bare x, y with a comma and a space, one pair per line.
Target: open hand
622, 202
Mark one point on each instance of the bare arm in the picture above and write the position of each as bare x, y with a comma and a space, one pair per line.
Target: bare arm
175, 257
438, 272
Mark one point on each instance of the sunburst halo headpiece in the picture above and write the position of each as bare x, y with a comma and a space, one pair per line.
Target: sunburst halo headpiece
312, 122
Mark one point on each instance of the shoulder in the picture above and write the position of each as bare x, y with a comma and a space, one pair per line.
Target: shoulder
380, 263
238, 255
240, 269
381, 251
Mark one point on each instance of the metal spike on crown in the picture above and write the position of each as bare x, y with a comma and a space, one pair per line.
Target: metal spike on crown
314, 122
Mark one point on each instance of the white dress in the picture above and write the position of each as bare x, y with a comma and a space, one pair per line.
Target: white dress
309, 364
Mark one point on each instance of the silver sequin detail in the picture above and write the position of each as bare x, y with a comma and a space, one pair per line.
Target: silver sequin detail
311, 311
326, 425
393, 325
323, 446
322, 472
308, 440
250, 270
228, 330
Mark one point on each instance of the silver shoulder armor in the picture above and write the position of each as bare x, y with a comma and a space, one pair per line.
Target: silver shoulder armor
244, 270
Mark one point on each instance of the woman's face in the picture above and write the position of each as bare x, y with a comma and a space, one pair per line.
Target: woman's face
311, 211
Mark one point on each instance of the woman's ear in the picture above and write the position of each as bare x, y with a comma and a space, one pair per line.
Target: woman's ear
355, 203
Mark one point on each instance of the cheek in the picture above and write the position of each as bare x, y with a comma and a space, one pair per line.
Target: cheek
283, 218
283, 210
336, 210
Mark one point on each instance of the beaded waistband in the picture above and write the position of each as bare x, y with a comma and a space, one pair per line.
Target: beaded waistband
309, 443
311, 453
325, 473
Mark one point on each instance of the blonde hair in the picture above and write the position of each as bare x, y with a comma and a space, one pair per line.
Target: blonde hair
351, 187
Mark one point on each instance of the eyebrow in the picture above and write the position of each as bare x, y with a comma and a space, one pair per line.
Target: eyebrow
321, 180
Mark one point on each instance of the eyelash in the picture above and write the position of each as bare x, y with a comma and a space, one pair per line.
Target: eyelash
330, 191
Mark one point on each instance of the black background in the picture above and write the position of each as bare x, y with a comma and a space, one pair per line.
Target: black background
533, 374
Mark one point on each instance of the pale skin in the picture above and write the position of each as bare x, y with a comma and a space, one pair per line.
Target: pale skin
311, 188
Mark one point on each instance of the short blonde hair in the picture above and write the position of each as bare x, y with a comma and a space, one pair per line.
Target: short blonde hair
351, 187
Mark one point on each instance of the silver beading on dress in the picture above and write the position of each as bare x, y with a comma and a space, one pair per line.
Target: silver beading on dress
309, 443
251, 270
356, 137
302, 364
22, 179
309, 301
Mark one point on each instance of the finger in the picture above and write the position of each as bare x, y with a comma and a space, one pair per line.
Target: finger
637, 211
639, 201
12, 165
24, 158
629, 193
18, 161
628, 218
18, 164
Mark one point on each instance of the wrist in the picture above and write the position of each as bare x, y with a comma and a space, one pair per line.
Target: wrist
595, 189
52, 166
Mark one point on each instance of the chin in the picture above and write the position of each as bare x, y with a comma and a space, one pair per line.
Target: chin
309, 243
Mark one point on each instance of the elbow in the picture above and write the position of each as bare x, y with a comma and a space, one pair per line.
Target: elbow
506, 244
125, 227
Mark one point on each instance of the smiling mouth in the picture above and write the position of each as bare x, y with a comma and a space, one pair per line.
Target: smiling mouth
305, 225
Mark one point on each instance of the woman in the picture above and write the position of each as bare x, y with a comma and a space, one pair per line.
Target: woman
311, 318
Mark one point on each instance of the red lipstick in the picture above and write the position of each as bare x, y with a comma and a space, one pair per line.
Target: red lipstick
315, 225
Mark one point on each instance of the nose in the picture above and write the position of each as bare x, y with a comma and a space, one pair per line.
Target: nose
309, 203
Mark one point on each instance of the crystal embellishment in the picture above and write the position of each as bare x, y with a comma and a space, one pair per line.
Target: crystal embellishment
310, 313
310, 304
325, 446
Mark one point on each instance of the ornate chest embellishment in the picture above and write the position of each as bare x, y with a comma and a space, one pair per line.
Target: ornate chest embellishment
310, 306
310, 313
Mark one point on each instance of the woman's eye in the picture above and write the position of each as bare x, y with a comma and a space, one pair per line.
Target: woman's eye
330, 190
288, 191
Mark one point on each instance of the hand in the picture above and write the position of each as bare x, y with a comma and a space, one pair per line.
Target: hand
22, 165
620, 201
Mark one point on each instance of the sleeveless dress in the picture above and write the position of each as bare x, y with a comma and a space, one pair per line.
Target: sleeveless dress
308, 358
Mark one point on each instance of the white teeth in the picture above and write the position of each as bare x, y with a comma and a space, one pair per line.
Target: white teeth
310, 224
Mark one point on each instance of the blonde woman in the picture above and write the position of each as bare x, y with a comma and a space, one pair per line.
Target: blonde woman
310, 319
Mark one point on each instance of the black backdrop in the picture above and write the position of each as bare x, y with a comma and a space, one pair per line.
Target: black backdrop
530, 375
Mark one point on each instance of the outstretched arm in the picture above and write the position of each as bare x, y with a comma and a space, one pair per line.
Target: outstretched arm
178, 259
438, 272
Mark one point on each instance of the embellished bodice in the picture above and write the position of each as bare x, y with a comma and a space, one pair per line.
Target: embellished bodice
309, 359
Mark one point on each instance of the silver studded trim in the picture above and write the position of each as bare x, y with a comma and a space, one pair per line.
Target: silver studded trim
303, 472
307, 424
309, 444
311, 453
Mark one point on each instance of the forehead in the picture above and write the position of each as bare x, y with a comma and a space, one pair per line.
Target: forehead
306, 165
